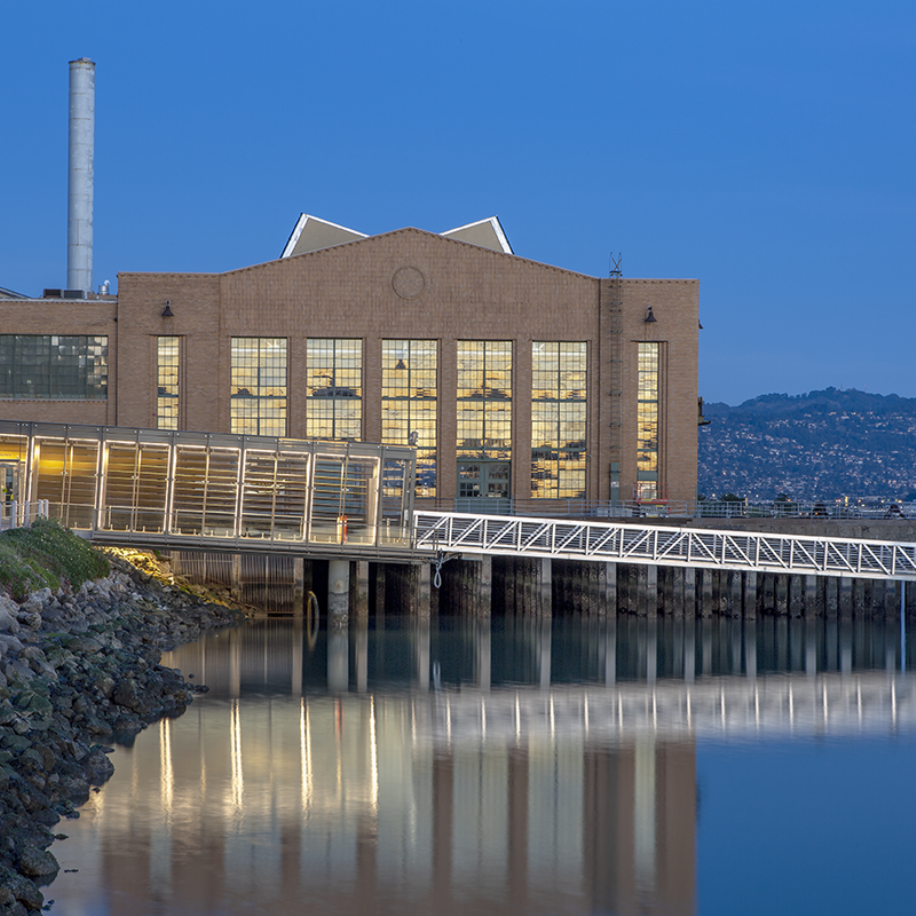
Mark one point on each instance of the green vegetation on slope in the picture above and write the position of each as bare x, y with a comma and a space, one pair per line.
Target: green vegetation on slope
46, 555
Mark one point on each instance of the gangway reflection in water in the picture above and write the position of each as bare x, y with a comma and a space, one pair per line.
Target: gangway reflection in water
495, 793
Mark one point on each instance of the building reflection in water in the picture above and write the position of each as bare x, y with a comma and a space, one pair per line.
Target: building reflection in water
442, 768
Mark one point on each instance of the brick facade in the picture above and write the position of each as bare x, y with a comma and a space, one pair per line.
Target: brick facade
451, 291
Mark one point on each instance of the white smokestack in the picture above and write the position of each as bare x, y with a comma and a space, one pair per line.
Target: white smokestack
81, 174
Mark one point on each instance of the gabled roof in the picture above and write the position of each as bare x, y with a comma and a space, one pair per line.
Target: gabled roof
313, 234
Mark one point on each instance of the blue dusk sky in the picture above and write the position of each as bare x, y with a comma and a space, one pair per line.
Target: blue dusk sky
765, 148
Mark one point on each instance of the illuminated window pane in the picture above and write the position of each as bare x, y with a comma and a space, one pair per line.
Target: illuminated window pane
334, 393
485, 399
409, 401
258, 386
167, 383
52, 366
558, 419
647, 425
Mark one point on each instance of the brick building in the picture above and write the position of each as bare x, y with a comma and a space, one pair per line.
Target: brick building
511, 377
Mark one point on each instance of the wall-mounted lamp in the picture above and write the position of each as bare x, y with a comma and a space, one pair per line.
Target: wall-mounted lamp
650, 318
167, 311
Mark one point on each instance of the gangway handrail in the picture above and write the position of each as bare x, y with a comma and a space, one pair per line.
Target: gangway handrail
663, 545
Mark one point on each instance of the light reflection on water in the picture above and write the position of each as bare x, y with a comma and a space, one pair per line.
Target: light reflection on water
518, 766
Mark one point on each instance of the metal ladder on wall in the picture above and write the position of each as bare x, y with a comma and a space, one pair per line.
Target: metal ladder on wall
615, 371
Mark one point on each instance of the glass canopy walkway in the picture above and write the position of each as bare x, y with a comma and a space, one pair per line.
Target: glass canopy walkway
178, 489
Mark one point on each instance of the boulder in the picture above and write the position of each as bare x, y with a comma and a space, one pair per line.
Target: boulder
9, 613
37, 863
98, 766
25, 891
85, 645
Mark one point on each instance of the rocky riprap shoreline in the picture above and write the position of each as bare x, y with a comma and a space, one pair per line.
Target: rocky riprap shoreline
79, 671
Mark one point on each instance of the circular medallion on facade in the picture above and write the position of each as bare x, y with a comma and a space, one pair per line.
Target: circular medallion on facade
408, 282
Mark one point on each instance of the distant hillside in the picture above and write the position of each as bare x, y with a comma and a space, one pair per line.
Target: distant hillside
819, 445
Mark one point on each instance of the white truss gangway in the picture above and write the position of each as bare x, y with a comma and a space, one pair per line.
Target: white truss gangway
702, 548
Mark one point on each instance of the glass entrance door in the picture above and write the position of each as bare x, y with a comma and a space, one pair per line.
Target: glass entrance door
9, 487
484, 486
9, 481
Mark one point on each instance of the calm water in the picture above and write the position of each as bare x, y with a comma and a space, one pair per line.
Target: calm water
456, 766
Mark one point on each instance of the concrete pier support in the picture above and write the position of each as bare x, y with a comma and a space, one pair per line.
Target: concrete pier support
767, 593
595, 606
298, 587
831, 597
666, 575
235, 577
380, 589
420, 581
544, 586
811, 608
796, 595
891, 601
782, 596
750, 595
338, 592
484, 587
706, 601
359, 589
845, 599
858, 594
650, 593
734, 593
610, 588
690, 592
722, 594
677, 592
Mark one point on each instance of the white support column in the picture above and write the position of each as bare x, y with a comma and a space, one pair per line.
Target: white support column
338, 592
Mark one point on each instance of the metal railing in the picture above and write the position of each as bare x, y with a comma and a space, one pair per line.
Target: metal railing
705, 548
704, 508
19, 514
792, 509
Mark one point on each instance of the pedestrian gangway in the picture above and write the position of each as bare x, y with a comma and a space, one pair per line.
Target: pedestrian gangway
657, 545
